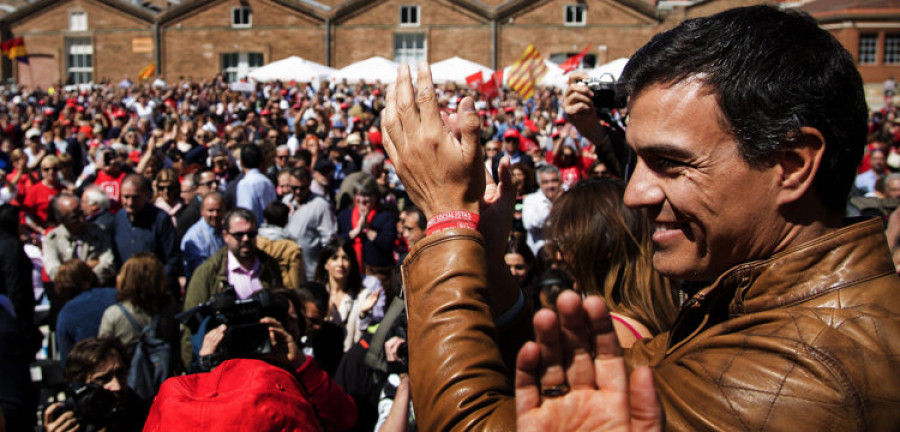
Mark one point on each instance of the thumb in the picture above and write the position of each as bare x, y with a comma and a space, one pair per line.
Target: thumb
468, 123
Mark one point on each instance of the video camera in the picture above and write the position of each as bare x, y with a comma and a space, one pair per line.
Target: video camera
245, 336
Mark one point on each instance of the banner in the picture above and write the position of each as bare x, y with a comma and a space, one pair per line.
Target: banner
147, 72
526, 72
573, 62
14, 49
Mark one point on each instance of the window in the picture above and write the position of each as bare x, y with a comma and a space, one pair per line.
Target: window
78, 21
892, 48
868, 48
236, 66
79, 61
574, 15
409, 48
409, 15
241, 17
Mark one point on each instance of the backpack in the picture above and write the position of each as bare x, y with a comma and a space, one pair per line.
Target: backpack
151, 363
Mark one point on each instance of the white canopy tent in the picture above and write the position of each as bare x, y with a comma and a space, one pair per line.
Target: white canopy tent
369, 70
293, 68
614, 68
456, 69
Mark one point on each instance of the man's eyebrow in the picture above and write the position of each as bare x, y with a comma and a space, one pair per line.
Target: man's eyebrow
663, 149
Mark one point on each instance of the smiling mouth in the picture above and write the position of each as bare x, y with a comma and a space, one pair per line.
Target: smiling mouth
663, 231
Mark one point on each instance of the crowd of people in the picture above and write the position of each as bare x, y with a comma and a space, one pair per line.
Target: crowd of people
188, 248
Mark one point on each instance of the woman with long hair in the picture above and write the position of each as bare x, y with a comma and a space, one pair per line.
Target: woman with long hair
356, 301
167, 196
607, 247
142, 293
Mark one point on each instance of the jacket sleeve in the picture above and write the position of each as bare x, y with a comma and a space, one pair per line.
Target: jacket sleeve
335, 408
456, 368
106, 267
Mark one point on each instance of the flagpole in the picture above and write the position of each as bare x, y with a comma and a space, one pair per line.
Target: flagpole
31, 76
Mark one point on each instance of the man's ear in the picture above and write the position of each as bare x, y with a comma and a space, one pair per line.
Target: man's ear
799, 164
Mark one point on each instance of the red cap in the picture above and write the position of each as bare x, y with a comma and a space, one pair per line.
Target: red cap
345, 105
512, 133
265, 112
531, 126
79, 108
87, 130
560, 121
239, 394
509, 109
375, 138
135, 156
376, 92
283, 92
355, 119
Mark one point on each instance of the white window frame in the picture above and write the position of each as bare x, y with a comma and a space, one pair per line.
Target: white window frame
405, 50
79, 59
78, 21
234, 19
243, 67
411, 22
871, 41
575, 8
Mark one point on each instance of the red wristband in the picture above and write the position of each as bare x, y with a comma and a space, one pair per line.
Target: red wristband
459, 215
451, 224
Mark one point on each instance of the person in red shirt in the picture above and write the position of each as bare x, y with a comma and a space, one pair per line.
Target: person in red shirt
37, 199
572, 166
109, 177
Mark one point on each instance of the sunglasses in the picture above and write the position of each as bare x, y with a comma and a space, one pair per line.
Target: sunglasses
48, 169
210, 183
240, 235
165, 187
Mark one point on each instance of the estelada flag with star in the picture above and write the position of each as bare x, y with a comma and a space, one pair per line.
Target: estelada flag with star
14, 49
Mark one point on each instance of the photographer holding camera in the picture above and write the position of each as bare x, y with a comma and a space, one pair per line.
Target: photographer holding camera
264, 381
589, 103
97, 397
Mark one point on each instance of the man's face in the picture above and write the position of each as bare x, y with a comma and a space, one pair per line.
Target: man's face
322, 179
112, 375
71, 214
299, 187
240, 237
133, 198
411, 230
893, 188
314, 318
208, 183
212, 211
281, 157
549, 184
877, 161
510, 145
187, 189
710, 209
88, 208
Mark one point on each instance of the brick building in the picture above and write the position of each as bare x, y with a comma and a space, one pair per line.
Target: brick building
91, 40
870, 30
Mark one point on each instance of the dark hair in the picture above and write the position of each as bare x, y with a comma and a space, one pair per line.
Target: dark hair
422, 221
608, 249
518, 245
304, 155
315, 293
251, 156
199, 173
330, 249
89, 354
530, 185
74, 277
240, 213
141, 182
772, 72
9, 220
276, 213
301, 173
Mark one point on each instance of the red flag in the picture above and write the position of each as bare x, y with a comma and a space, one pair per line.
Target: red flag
475, 80
572, 62
491, 88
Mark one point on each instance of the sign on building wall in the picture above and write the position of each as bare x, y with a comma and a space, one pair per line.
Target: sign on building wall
142, 45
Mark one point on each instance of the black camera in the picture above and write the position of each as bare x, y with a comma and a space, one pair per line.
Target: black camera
94, 406
245, 336
605, 98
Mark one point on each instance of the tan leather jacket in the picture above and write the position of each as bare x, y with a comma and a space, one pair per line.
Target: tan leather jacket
806, 340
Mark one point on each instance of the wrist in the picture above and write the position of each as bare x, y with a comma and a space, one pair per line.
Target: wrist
452, 219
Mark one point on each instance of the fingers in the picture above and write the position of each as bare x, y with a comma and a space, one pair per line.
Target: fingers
546, 332
504, 173
408, 112
426, 98
469, 125
528, 394
609, 366
575, 341
646, 411
574, 77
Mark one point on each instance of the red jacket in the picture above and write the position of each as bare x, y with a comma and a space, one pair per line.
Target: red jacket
252, 395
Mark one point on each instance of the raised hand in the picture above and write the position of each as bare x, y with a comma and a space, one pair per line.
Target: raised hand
441, 172
574, 379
